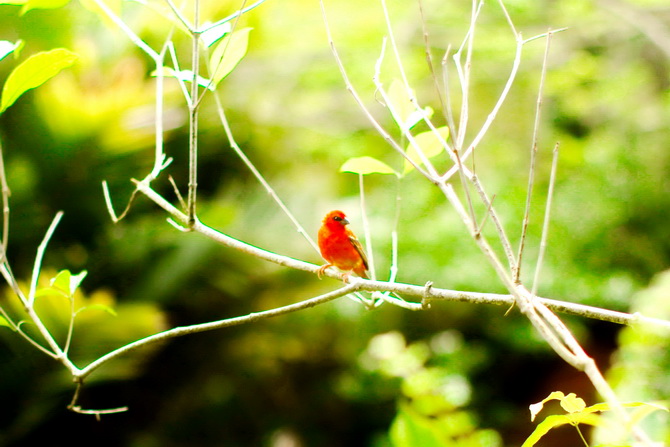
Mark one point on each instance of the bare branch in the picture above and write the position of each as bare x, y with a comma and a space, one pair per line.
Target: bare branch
545, 226
228, 322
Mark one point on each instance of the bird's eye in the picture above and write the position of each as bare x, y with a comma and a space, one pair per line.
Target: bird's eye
337, 218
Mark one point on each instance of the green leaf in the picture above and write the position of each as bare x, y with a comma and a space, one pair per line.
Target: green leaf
212, 35
407, 115
101, 307
4, 322
67, 282
573, 404
184, 75
33, 72
366, 165
430, 144
228, 53
7, 48
410, 429
554, 421
42, 4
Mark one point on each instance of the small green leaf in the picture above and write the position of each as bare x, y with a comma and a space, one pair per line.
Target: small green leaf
228, 53
101, 307
366, 165
67, 282
407, 115
7, 48
430, 144
573, 404
42, 4
33, 72
554, 421
410, 429
536, 408
4, 322
184, 75
212, 35
61, 281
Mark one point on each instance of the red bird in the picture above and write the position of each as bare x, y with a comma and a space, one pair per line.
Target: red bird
340, 247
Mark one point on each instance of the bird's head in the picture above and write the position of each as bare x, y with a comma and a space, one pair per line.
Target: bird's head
335, 218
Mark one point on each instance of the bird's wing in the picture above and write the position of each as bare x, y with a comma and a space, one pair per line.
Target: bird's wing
359, 248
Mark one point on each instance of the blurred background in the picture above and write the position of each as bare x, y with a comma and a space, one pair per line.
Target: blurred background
337, 374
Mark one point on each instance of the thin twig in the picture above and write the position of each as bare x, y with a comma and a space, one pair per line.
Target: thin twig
193, 119
249, 164
37, 266
545, 225
134, 38
234, 15
5, 206
429, 58
349, 86
366, 229
228, 322
533, 158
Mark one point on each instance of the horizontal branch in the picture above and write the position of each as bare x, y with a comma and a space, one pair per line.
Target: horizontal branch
427, 293
203, 327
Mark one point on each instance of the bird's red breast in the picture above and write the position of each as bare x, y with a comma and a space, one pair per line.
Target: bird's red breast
339, 246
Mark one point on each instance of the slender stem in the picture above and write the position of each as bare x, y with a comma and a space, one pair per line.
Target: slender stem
234, 15
533, 158
366, 228
37, 266
134, 38
193, 119
249, 164
5, 206
349, 86
545, 225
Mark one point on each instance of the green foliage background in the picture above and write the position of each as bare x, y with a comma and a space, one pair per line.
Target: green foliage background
319, 377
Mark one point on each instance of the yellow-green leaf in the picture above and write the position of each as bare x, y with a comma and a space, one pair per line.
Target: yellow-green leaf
98, 306
4, 322
42, 4
406, 113
7, 48
212, 35
536, 408
228, 53
430, 143
573, 404
366, 165
67, 282
33, 72
554, 421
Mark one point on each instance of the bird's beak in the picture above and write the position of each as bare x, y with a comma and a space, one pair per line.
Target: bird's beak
345, 221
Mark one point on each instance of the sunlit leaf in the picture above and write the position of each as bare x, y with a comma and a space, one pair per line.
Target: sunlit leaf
554, 421
212, 35
5, 323
430, 144
410, 429
67, 282
573, 404
43, 4
184, 75
366, 165
97, 306
33, 72
228, 53
407, 115
7, 48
